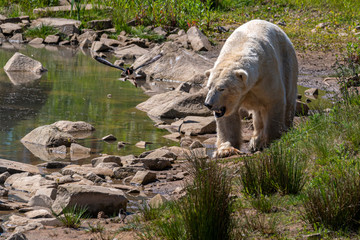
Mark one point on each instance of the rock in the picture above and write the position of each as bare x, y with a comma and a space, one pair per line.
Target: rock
48, 136
4, 176
142, 144
21, 63
95, 198
130, 52
45, 153
52, 39
173, 136
18, 78
3, 192
17, 38
17, 167
70, 127
106, 159
181, 153
312, 92
302, 109
100, 24
111, 42
194, 125
94, 178
40, 201
86, 43
196, 144
175, 105
10, 28
49, 192
36, 41
186, 142
143, 178
79, 152
156, 164
157, 201
119, 63
161, 153
30, 183
40, 213
99, 47
66, 26
176, 63
109, 137
83, 170
198, 40
89, 35
17, 236
160, 31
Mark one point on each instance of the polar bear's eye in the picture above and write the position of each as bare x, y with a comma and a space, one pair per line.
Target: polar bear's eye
221, 89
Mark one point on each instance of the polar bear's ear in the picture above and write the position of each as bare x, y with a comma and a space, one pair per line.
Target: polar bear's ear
242, 75
207, 73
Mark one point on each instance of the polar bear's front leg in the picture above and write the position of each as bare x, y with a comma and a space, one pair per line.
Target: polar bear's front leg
228, 136
257, 141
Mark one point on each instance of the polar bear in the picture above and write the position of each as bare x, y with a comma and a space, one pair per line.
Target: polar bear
256, 70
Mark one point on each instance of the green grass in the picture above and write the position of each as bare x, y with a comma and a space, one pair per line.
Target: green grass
42, 31
72, 216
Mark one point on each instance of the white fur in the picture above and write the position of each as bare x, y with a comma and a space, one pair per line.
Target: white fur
257, 70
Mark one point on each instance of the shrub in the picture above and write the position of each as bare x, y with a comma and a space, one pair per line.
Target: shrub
333, 198
71, 216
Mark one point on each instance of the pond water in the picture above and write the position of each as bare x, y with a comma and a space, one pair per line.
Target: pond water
75, 88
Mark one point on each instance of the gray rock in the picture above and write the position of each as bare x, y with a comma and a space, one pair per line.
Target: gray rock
40, 201
196, 144
40, 213
111, 42
94, 178
142, 144
130, 52
10, 28
109, 137
3, 192
30, 183
99, 47
161, 153
48, 136
52, 39
194, 125
89, 35
157, 201
66, 26
83, 170
70, 127
17, 167
4, 176
21, 63
176, 63
156, 164
63, 43
86, 43
100, 24
106, 159
160, 31
175, 104
95, 198
17, 236
79, 152
198, 40
36, 41
17, 38
143, 178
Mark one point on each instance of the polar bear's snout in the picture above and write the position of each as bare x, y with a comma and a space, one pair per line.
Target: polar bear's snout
211, 101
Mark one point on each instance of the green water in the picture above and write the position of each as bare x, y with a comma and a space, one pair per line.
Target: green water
75, 88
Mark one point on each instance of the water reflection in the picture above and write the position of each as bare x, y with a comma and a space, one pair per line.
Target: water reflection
75, 88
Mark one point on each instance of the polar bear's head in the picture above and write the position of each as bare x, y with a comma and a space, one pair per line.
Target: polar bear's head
227, 87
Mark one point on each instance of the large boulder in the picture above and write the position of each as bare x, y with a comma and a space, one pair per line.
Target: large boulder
193, 125
175, 104
198, 40
17, 167
48, 136
22, 63
176, 63
95, 198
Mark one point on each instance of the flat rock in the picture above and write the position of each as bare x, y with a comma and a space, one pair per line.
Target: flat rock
176, 63
143, 178
10, 28
17, 167
131, 51
109, 137
161, 153
175, 104
79, 152
194, 125
100, 24
142, 144
70, 127
31, 183
83, 170
48, 136
4, 176
40, 213
52, 39
156, 164
106, 159
98, 46
17, 38
22, 63
198, 40
95, 198
157, 201
37, 41
64, 25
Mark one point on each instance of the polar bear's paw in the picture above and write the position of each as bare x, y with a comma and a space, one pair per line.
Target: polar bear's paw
226, 150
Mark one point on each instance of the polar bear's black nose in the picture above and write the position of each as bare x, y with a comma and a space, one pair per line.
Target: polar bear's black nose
209, 106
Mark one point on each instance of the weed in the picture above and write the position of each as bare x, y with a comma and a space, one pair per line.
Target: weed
149, 213
98, 228
71, 216
42, 31
262, 203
